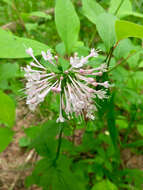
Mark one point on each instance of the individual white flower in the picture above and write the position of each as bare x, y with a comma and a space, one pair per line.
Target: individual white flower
78, 62
76, 86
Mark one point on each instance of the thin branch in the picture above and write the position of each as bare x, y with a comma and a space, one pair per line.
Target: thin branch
122, 61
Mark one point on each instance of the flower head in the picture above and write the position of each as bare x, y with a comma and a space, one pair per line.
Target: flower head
76, 85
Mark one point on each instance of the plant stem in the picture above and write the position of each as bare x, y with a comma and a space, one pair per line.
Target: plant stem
107, 56
59, 143
120, 61
110, 56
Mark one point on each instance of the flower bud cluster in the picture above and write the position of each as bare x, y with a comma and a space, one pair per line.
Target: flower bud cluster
76, 86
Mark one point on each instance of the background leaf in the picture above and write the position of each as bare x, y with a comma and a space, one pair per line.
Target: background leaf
125, 29
8, 70
67, 23
123, 8
119, 7
7, 110
106, 28
104, 185
112, 125
14, 47
91, 9
6, 135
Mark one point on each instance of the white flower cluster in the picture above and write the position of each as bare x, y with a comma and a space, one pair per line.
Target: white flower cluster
76, 85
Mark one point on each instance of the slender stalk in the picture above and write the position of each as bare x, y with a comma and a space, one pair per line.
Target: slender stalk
120, 61
110, 56
107, 56
59, 143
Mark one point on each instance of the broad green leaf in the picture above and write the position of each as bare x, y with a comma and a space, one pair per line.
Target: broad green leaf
125, 29
122, 124
6, 135
106, 28
124, 48
57, 176
47, 144
131, 13
112, 125
141, 64
60, 49
120, 7
104, 185
8, 70
91, 9
7, 110
123, 8
135, 14
67, 23
24, 142
12, 46
133, 61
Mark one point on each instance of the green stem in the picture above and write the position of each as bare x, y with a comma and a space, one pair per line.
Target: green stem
59, 143
110, 56
107, 56
120, 61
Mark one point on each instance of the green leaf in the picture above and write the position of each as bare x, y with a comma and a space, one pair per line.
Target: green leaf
140, 129
91, 9
138, 143
112, 126
123, 8
24, 142
60, 49
14, 47
106, 28
125, 29
6, 135
141, 64
67, 23
64, 63
122, 124
104, 185
49, 66
124, 48
8, 70
55, 176
120, 7
47, 145
132, 176
7, 110
135, 14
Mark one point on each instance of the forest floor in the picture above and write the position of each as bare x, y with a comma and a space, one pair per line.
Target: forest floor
12, 159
